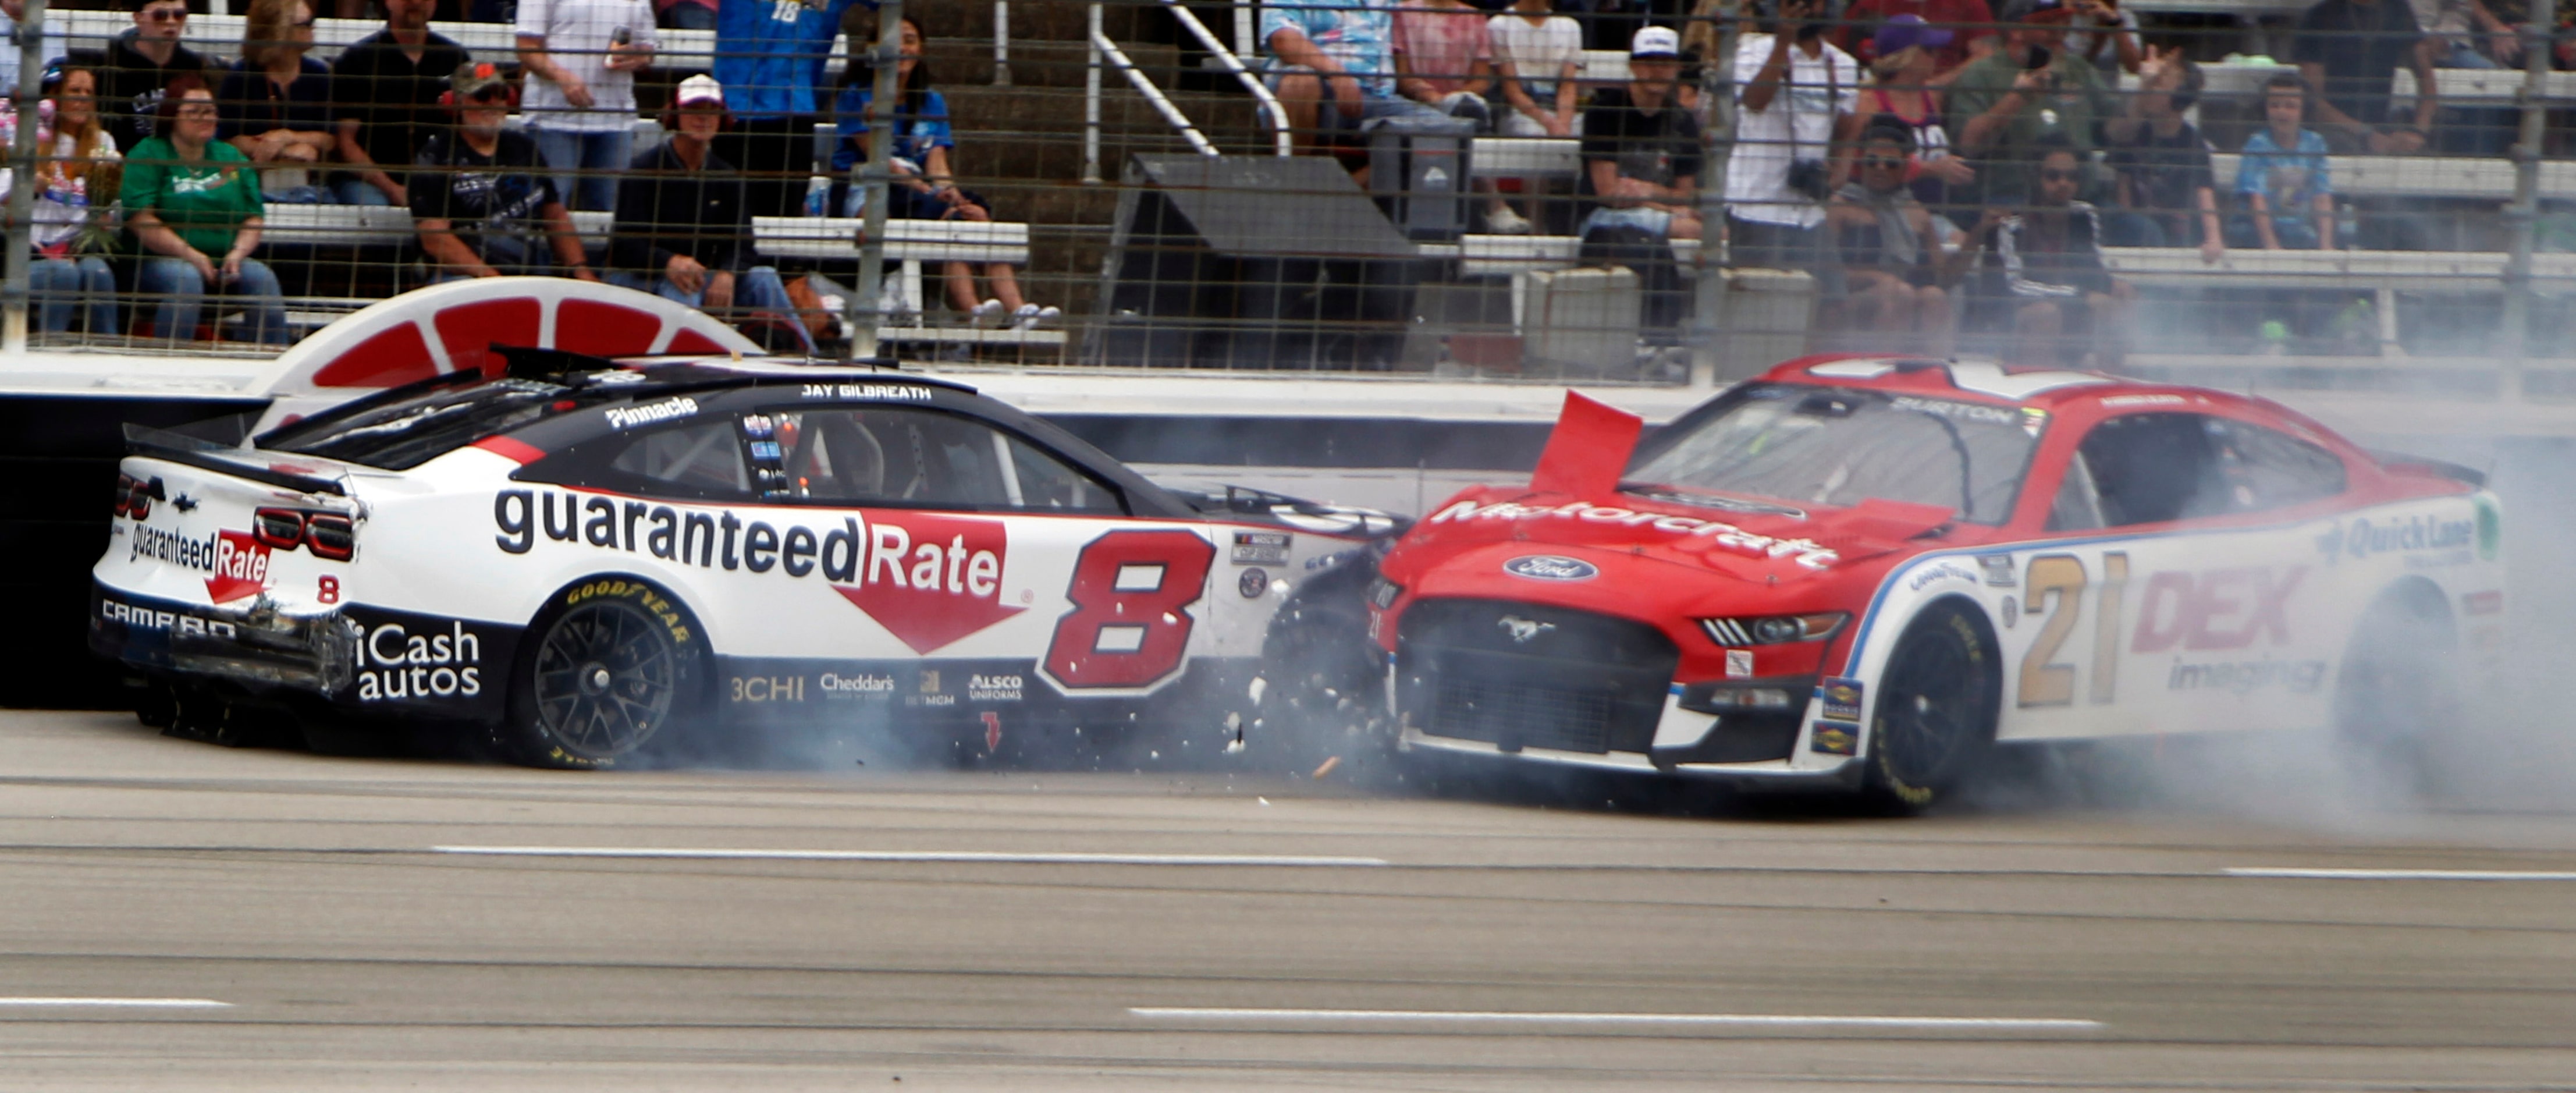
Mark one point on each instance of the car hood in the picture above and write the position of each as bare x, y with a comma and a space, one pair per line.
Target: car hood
1768, 547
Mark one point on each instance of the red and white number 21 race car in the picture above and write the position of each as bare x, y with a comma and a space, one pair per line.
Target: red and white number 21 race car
594, 561
1862, 572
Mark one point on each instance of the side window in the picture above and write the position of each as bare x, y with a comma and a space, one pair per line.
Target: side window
2269, 469
701, 460
2151, 468
915, 458
2078, 506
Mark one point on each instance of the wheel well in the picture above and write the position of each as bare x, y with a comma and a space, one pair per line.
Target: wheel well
2414, 598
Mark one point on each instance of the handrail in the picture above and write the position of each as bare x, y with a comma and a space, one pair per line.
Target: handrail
1269, 103
1144, 85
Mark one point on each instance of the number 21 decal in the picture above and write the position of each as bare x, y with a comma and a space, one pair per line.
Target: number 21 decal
1129, 626
2056, 583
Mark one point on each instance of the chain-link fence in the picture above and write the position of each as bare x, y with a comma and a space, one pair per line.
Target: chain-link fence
1605, 190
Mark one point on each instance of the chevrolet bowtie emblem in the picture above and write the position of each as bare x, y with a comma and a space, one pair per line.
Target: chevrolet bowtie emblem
1523, 630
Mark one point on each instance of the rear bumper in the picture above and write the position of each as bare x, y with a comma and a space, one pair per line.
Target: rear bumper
257, 650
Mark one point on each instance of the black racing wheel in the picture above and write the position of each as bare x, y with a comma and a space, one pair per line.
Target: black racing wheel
1936, 709
605, 676
2398, 695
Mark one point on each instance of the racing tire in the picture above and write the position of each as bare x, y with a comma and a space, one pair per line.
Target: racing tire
1324, 681
1938, 700
2398, 693
605, 677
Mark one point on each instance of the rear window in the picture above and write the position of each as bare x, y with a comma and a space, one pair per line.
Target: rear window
409, 432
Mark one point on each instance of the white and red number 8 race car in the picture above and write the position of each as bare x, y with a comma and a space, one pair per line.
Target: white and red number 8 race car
593, 561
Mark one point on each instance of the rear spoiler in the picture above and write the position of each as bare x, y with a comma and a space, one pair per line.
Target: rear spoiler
2395, 461
237, 462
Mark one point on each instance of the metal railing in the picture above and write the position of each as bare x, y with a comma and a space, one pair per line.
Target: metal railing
1105, 50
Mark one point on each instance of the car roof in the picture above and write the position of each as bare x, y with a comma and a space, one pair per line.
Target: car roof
715, 371
1990, 381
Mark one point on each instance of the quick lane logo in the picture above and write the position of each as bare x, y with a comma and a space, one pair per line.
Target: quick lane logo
929, 580
1806, 552
2364, 537
396, 664
628, 417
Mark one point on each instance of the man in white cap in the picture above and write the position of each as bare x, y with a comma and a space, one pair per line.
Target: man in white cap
1641, 150
1794, 131
683, 227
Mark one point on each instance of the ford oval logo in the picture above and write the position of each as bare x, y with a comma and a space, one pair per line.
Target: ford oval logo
1550, 567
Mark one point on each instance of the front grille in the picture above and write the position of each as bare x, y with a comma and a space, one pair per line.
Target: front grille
1523, 675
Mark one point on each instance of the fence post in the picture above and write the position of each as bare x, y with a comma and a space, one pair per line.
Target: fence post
1001, 43
2524, 214
29, 42
1091, 104
876, 177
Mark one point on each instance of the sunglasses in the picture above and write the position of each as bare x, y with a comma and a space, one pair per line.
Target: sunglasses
2053, 174
489, 98
1887, 162
167, 15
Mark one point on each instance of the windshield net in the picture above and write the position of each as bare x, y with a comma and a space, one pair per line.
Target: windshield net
409, 432
1839, 446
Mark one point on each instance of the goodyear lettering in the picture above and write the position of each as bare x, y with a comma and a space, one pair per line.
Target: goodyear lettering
395, 664
1807, 553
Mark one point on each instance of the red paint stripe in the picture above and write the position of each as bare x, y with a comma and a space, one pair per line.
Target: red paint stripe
516, 451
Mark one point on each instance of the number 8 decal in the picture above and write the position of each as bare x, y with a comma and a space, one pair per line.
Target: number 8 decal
1128, 627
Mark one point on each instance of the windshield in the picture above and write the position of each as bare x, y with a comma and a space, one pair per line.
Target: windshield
409, 432
1840, 446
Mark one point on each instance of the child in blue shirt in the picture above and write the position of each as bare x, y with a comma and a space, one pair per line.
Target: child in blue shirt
2283, 178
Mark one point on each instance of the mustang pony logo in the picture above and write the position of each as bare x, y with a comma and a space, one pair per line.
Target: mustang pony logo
1522, 630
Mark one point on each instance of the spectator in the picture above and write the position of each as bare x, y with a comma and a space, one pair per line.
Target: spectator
769, 56
276, 101
581, 57
688, 14
2105, 35
140, 64
2349, 51
385, 93
924, 188
1444, 58
188, 199
1538, 55
78, 159
1902, 88
484, 199
2284, 179
1891, 246
2043, 277
1969, 24
52, 48
2454, 28
2168, 197
2006, 104
1332, 67
683, 232
1793, 129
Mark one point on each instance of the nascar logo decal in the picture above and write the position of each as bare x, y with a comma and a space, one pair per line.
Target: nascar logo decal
1551, 567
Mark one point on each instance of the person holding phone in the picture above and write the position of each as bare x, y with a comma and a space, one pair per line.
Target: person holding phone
1796, 122
2004, 105
581, 57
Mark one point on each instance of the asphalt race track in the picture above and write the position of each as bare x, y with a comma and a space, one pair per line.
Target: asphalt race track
178, 915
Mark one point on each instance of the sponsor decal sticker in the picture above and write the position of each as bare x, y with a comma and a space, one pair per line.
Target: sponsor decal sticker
1261, 547
1804, 551
671, 409
874, 686
769, 688
1739, 664
2244, 677
2012, 612
241, 567
994, 688
992, 732
1253, 583
1963, 411
1841, 698
926, 691
1551, 567
1835, 738
2490, 602
1998, 569
2364, 537
2144, 400
395, 664
177, 622
2217, 609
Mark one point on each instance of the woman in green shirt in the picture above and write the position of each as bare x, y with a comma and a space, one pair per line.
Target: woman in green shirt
193, 202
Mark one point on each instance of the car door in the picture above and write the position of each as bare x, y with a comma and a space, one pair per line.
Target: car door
2176, 589
964, 568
